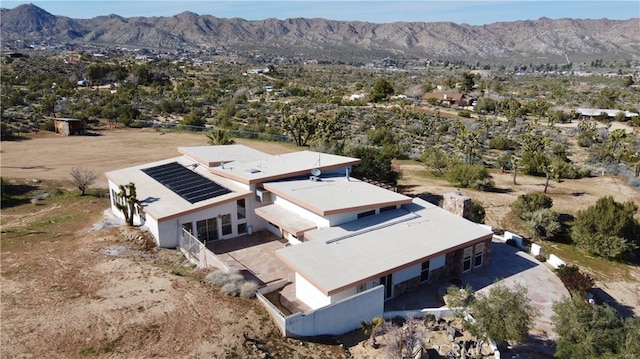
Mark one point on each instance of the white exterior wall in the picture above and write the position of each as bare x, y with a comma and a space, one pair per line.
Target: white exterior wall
338, 318
152, 226
340, 218
406, 274
320, 221
167, 236
227, 208
437, 262
309, 294
344, 295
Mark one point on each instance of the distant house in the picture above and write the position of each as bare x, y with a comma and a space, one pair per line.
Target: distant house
68, 126
350, 244
602, 114
449, 99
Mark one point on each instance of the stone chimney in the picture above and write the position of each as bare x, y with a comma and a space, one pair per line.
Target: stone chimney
457, 204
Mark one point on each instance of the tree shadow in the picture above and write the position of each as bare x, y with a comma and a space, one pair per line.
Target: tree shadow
16, 138
10, 190
499, 190
602, 297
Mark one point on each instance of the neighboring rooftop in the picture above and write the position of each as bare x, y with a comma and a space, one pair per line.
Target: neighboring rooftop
161, 201
598, 111
339, 257
211, 156
286, 165
333, 194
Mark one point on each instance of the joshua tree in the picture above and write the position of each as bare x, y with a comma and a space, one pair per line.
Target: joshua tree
126, 201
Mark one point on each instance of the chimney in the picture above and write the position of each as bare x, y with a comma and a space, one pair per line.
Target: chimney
457, 204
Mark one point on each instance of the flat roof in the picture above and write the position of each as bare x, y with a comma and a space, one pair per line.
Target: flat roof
340, 257
160, 202
335, 194
274, 167
215, 155
283, 218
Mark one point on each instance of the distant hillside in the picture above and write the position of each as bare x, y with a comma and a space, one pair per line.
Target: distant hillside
536, 41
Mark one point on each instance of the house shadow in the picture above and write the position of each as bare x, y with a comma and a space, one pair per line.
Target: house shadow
505, 262
435, 199
601, 297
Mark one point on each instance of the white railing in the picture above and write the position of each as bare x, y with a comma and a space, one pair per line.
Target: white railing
197, 252
191, 246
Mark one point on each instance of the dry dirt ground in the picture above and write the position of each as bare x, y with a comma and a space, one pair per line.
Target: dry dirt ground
71, 292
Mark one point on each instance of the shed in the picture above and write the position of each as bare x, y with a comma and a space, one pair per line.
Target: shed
68, 126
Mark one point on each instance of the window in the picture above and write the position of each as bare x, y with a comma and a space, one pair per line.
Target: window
479, 254
226, 224
207, 230
242, 212
388, 208
362, 287
366, 214
424, 272
466, 260
242, 228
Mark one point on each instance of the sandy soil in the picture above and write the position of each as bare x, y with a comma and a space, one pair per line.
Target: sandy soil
73, 293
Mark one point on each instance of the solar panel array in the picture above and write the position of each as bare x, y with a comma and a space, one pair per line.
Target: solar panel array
185, 182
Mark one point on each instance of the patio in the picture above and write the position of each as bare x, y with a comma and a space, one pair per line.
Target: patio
254, 257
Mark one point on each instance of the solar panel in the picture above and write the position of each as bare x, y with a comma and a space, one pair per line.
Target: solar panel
186, 183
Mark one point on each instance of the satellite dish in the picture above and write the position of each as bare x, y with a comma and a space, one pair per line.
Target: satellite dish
316, 172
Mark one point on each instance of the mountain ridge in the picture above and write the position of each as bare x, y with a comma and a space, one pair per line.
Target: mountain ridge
541, 40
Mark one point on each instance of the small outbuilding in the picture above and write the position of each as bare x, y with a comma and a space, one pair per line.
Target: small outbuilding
68, 126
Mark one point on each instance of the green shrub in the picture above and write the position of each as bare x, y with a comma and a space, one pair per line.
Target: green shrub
467, 175
528, 203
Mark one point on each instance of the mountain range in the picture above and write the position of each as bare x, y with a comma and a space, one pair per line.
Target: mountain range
529, 41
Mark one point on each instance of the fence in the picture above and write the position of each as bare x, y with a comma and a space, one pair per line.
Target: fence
197, 252
172, 126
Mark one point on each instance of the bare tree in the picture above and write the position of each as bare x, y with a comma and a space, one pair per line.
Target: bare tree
82, 178
407, 341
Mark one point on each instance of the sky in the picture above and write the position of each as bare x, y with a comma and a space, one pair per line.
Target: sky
471, 12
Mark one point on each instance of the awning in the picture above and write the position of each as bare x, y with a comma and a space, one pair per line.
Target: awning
285, 219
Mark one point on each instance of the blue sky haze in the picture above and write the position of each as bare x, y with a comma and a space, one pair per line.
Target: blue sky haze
469, 11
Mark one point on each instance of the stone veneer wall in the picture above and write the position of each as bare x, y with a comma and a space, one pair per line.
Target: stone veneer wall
457, 204
406, 286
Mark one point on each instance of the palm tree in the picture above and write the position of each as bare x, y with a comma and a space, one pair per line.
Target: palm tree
219, 138
371, 329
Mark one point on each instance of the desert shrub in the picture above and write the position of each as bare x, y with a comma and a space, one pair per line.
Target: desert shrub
544, 223
467, 175
608, 229
217, 278
230, 289
48, 125
464, 113
574, 280
528, 203
477, 211
541, 258
248, 289
502, 143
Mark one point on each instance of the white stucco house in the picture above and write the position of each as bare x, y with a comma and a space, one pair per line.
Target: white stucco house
352, 245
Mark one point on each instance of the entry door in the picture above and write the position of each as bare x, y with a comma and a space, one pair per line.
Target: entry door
387, 281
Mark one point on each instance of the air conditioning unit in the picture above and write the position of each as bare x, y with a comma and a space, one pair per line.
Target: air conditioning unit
263, 196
